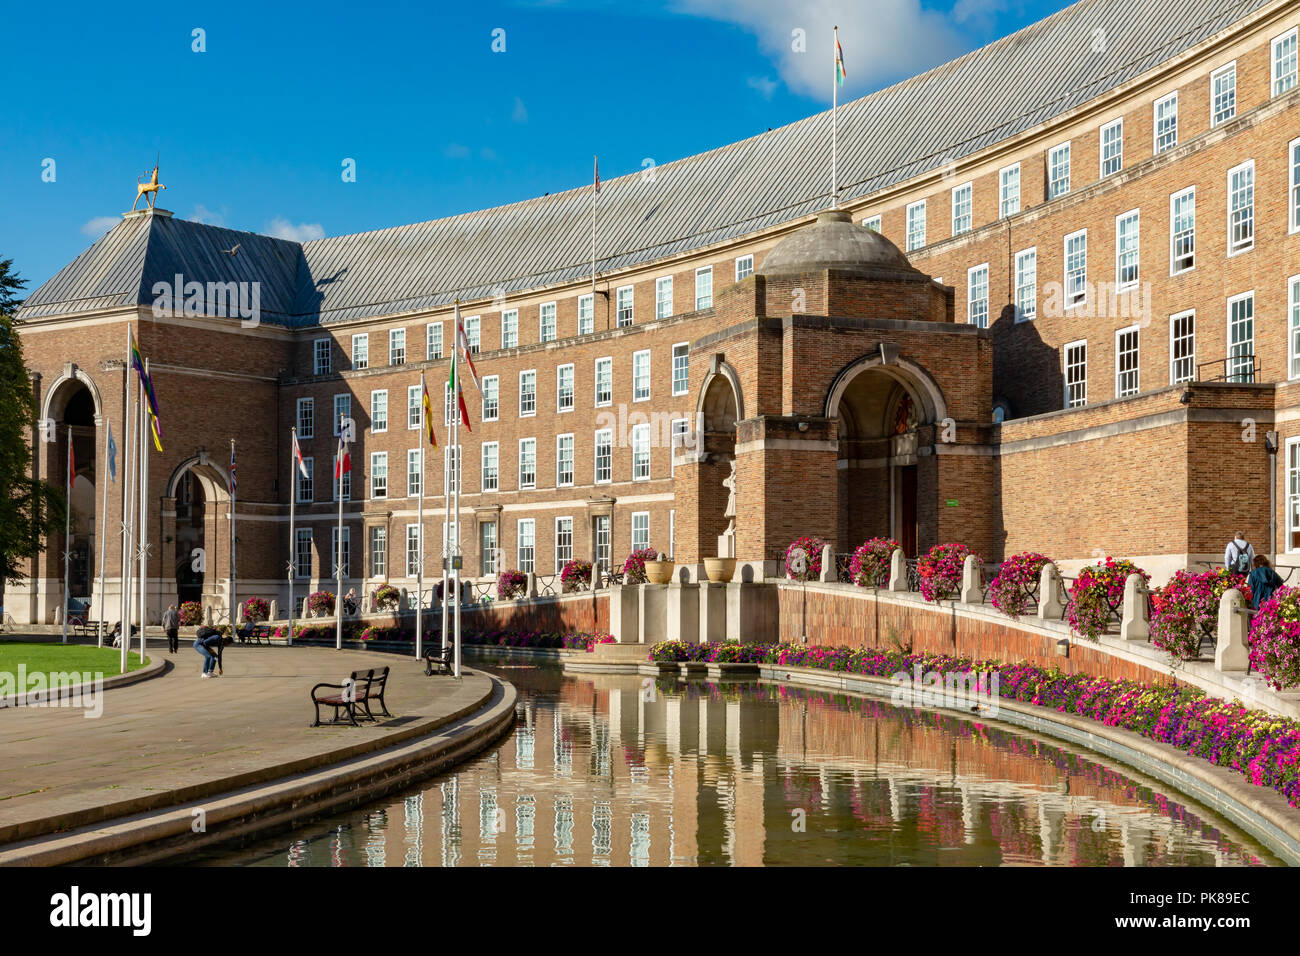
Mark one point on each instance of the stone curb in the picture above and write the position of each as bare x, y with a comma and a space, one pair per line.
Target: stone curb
156, 667
291, 798
1260, 811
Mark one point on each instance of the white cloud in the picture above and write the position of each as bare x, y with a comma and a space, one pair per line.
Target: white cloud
206, 216
282, 228
455, 151
883, 40
99, 225
520, 112
764, 84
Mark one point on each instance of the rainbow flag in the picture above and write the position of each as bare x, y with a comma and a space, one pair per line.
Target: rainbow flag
839, 59
146, 383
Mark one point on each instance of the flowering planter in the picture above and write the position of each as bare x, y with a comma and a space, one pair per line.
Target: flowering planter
719, 570
659, 572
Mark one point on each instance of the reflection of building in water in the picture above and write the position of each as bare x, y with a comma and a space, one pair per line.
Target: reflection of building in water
636, 776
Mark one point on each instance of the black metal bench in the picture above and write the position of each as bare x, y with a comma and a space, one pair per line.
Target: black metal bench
353, 698
441, 658
258, 634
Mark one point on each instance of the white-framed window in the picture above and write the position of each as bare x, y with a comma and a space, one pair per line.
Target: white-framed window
1284, 62
604, 381
681, 367
977, 295
378, 551
342, 410
604, 541
744, 267
1112, 148
433, 340
489, 459
379, 410
1293, 494
623, 297
1126, 362
1293, 193
604, 446
360, 350
487, 540
528, 463
546, 321
640, 530
474, 333
961, 208
1241, 207
563, 460
871, 223
640, 452
379, 474
302, 553
663, 297
679, 426
491, 397
415, 406
321, 353
304, 482
1241, 338
1076, 268
563, 542
1182, 231
564, 388
1127, 240
1058, 170
1182, 347
1293, 320
1223, 94
526, 544
306, 417
510, 328
915, 225
414, 471
586, 314
1009, 191
1076, 374
341, 557
1027, 284
451, 469
397, 346
704, 287
1165, 120
641, 375
414, 550
527, 393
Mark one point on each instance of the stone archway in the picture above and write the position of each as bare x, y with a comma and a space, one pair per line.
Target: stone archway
69, 425
719, 407
885, 411
196, 531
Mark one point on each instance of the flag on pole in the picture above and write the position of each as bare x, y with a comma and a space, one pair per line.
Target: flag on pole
112, 454
146, 383
839, 59
453, 387
462, 342
297, 453
596, 161
342, 460
428, 411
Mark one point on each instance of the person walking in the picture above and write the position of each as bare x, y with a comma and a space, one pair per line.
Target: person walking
1239, 555
171, 622
1263, 582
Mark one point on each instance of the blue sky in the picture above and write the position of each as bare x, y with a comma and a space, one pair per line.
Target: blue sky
253, 132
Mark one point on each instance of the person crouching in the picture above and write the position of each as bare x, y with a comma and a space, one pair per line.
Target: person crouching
209, 642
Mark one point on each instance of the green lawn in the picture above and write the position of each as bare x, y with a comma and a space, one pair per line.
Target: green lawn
49, 657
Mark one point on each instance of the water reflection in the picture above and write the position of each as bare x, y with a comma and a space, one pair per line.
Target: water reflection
626, 771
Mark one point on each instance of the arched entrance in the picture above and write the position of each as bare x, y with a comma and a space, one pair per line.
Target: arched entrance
197, 525
71, 410
885, 414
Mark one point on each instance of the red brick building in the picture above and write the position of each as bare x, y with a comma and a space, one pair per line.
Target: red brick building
1109, 201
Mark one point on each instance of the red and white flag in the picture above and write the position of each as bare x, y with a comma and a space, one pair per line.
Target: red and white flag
462, 343
342, 460
297, 454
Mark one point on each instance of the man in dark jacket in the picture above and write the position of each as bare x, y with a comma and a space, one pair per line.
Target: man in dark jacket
209, 642
1263, 581
171, 622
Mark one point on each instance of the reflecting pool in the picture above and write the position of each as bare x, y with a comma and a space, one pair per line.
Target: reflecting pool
625, 770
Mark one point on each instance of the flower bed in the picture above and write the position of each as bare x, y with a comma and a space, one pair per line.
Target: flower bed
576, 576
1096, 591
1187, 609
191, 613
256, 609
511, 585
869, 567
1012, 591
634, 566
320, 603
387, 596
940, 570
803, 558
1275, 638
721, 652
1263, 747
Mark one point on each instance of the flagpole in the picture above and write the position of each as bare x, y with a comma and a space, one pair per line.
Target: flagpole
103, 537
234, 488
835, 132
455, 493
293, 538
338, 549
144, 520
448, 400
67, 537
419, 520
128, 475
595, 192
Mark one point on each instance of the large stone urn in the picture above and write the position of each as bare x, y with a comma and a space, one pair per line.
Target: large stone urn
659, 571
719, 570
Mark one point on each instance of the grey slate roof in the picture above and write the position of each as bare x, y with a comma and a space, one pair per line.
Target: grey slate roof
915, 126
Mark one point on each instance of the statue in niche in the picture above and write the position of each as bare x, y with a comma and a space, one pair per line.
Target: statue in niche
730, 513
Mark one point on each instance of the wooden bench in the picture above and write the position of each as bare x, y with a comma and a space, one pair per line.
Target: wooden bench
353, 698
442, 658
259, 634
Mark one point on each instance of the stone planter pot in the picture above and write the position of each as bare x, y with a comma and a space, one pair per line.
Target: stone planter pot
659, 572
719, 570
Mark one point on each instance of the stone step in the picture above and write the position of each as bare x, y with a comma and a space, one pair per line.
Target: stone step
622, 652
